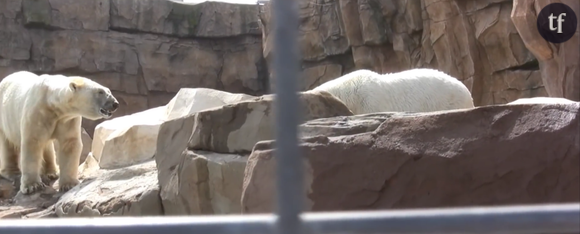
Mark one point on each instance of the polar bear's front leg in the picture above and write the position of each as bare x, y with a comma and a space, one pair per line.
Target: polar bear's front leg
68, 135
30, 163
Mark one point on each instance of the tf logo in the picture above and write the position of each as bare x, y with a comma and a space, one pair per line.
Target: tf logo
557, 22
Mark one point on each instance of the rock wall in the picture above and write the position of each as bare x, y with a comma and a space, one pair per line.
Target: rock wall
474, 41
146, 50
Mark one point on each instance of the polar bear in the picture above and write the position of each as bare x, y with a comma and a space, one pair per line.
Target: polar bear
416, 90
37, 110
541, 100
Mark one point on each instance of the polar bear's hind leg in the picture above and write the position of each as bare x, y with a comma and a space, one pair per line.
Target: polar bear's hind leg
49, 168
8, 159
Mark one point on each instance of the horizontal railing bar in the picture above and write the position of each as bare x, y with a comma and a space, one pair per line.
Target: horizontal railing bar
551, 218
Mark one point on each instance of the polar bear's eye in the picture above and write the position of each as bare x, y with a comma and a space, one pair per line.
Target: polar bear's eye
101, 92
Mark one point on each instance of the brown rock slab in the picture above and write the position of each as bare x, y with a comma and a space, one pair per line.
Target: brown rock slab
236, 128
493, 155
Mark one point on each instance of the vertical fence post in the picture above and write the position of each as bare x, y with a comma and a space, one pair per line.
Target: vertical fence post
287, 108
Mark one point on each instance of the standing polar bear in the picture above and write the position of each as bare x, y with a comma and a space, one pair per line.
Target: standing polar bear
416, 90
37, 110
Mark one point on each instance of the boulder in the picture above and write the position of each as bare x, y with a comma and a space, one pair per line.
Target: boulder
492, 155
236, 128
127, 140
204, 183
194, 181
192, 100
129, 191
132, 138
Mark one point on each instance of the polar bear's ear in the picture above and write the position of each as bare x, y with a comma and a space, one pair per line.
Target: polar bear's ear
76, 83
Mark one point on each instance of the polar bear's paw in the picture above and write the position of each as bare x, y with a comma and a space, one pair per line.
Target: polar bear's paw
52, 176
67, 185
49, 178
32, 186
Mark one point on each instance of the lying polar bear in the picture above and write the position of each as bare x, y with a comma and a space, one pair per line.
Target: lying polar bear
416, 90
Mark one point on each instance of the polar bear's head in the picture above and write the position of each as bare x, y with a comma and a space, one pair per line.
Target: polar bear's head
92, 100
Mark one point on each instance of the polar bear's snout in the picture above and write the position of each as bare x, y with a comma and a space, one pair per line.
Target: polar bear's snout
109, 107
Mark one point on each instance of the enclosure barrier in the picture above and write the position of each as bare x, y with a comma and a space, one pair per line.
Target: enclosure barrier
562, 218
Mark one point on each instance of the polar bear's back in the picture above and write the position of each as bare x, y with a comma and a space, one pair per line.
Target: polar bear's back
415, 90
347, 88
425, 89
15, 95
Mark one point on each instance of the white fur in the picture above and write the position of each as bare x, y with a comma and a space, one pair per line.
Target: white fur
416, 90
37, 110
542, 100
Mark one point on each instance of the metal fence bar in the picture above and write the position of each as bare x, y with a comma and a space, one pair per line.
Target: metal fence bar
555, 218
288, 159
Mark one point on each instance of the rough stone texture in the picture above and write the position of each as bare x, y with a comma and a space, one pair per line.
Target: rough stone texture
38, 205
346, 125
474, 41
493, 155
127, 140
130, 191
144, 50
559, 64
204, 183
236, 128
225, 178
183, 182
